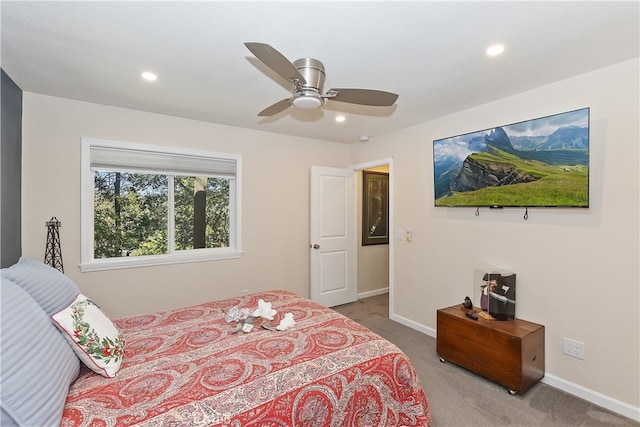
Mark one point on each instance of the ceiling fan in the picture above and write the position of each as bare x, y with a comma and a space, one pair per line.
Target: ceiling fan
307, 76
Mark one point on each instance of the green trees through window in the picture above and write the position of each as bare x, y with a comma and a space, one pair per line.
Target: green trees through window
201, 212
146, 205
151, 214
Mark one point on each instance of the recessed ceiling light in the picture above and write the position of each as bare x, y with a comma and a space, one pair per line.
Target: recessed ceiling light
340, 119
148, 75
364, 138
495, 50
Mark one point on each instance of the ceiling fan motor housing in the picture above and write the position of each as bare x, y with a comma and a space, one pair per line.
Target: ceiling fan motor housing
309, 95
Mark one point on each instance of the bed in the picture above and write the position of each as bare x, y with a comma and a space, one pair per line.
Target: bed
194, 366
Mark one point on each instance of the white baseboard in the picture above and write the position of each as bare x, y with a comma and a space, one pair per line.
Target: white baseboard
373, 293
589, 395
413, 325
594, 397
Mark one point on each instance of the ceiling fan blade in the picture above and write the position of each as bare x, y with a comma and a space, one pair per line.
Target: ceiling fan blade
377, 98
276, 61
275, 108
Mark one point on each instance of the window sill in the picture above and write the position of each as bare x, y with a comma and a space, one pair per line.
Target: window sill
153, 260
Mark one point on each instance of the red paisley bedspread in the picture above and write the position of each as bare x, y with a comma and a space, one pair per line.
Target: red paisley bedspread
186, 367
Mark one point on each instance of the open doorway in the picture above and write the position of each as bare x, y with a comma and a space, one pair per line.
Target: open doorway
373, 268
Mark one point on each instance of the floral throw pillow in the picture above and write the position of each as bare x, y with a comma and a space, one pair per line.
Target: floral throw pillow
95, 339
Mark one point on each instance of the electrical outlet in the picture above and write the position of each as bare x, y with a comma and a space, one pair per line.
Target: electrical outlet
573, 348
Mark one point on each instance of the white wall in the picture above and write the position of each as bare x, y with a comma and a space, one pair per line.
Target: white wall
577, 269
275, 202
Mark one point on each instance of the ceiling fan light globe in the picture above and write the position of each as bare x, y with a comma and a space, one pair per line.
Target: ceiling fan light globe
307, 101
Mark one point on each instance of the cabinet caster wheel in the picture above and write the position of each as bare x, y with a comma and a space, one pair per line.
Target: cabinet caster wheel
512, 392
442, 360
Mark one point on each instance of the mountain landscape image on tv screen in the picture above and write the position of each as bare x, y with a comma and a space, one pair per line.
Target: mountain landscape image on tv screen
542, 162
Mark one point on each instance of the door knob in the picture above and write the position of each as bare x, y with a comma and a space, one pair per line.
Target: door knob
316, 246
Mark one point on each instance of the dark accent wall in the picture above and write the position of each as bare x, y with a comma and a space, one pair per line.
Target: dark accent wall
10, 171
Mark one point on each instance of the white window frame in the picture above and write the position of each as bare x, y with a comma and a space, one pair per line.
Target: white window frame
87, 260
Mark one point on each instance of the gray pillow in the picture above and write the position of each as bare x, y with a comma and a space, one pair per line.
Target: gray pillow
38, 365
50, 288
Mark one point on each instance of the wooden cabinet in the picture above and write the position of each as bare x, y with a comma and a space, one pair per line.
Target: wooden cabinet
510, 352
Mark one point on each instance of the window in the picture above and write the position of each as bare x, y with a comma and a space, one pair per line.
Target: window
146, 205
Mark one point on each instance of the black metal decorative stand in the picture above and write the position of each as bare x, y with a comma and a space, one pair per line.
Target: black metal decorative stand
53, 252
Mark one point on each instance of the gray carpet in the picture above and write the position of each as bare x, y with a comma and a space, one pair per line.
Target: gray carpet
459, 398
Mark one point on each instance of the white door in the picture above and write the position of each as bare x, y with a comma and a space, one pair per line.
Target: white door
332, 233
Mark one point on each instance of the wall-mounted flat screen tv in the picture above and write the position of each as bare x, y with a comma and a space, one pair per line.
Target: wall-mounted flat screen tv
542, 162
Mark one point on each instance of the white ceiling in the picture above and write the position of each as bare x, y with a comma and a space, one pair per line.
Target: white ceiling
430, 53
